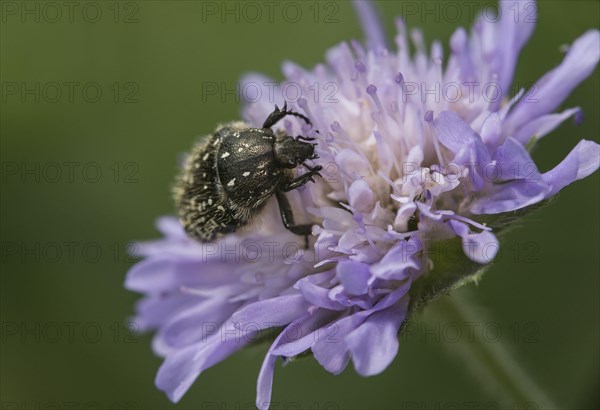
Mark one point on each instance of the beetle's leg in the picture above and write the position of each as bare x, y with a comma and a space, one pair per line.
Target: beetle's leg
302, 179
315, 169
287, 217
278, 114
303, 138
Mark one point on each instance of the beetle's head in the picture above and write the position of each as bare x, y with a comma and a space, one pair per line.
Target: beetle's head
291, 152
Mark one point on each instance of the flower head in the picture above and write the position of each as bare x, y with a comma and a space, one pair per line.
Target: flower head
416, 155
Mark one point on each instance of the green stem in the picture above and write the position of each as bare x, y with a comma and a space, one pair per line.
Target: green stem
491, 362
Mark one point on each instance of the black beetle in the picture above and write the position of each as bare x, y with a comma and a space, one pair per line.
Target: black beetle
228, 178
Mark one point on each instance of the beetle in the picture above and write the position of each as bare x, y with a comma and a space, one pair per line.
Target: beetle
227, 178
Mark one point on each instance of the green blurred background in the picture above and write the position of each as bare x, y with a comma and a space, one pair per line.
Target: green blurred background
149, 60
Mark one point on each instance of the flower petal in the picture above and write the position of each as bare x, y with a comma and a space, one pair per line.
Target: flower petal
581, 162
479, 247
161, 274
182, 368
331, 350
354, 276
510, 197
491, 130
197, 323
304, 335
371, 24
317, 295
453, 132
154, 311
360, 196
512, 162
514, 29
273, 312
469, 150
552, 89
542, 125
374, 344
264, 383
398, 261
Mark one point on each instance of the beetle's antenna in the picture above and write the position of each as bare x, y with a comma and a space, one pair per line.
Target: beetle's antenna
278, 114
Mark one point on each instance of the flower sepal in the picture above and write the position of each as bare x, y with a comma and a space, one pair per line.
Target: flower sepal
451, 269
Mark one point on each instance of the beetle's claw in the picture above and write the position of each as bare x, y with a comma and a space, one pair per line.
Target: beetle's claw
315, 172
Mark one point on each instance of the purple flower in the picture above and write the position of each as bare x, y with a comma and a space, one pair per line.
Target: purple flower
404, 172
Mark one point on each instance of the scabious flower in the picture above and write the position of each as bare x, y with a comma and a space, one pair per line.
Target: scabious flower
415, 154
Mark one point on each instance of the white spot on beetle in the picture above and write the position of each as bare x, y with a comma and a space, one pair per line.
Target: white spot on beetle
210, 201
246, 174
231, 183
205, 157
220, 208
225, 155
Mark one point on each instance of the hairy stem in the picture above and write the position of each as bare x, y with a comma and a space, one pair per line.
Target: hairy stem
491, 362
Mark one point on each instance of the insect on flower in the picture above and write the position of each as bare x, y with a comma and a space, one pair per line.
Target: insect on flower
228, 178
412, 182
